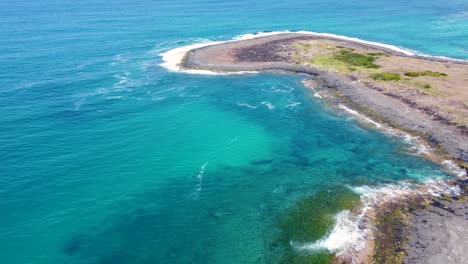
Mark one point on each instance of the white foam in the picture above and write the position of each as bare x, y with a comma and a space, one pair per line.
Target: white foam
361, 117
282, 91
268, 105
116, 97
350, 232
416, 145
173, 58
438, 187
370, 196
346, 236
246, 105
454, 168
292, 104
200, 176
316, 94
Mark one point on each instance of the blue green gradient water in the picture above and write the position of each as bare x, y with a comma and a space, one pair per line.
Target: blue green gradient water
109, 158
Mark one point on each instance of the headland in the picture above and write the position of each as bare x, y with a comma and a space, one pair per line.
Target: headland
422, 96
425, 95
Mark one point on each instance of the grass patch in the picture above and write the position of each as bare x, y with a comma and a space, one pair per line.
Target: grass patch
328, 61
356, 59
386, 76
425, 73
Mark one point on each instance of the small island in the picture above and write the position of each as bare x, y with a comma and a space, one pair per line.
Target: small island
421, 95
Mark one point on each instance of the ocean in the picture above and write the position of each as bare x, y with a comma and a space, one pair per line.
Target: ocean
110, 157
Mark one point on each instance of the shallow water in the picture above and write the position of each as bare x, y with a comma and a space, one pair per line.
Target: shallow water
107, 157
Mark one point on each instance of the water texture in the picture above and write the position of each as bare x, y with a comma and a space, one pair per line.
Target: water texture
107, 157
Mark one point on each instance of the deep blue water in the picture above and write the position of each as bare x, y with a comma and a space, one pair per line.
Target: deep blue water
109, 158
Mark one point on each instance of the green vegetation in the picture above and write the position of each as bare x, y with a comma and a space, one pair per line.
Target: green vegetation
425, 73
377, 54
310, 219
389, 245
328, 61
392, 229
386, 76
412, 74
356, 59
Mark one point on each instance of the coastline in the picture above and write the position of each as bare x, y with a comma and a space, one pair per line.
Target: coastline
443, 142
421, 120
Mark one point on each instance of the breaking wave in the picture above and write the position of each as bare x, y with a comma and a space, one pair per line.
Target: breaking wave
351, 230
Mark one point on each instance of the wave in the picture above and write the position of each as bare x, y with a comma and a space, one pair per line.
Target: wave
268, 105
282, 90
351, 230
292, 104
173, 58
415, 144
199, 176
454, 169
247, 105
199, 182
360, 116
345, 236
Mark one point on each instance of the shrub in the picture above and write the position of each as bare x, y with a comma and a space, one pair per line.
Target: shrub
433, 74
356, 59
386, 76
412, 74
425, 73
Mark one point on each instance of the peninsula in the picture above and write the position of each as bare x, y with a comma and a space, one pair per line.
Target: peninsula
426, 95
422, 95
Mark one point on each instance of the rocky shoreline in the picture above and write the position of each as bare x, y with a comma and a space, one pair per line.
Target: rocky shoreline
412, 229
419, 228
263, 54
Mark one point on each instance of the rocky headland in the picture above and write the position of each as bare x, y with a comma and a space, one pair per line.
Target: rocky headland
426, 97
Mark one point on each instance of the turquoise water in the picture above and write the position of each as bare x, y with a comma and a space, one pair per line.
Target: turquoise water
109, 158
